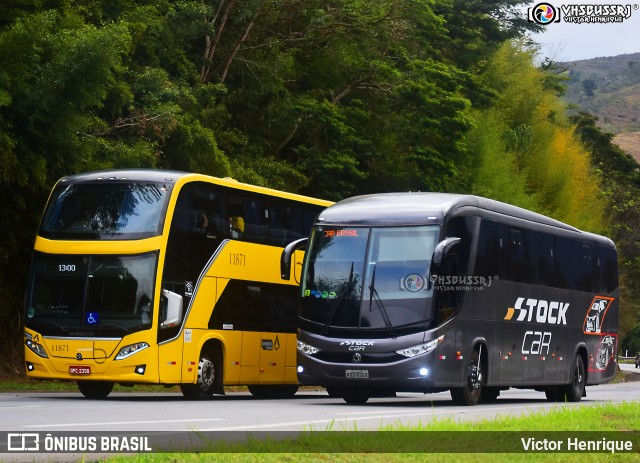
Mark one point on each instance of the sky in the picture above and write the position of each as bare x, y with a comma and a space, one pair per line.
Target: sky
565, 41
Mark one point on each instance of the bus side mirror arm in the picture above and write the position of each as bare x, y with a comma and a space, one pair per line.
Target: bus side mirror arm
441, 251
287, 253
174, 309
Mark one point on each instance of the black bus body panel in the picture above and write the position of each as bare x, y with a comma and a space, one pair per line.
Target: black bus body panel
521, 295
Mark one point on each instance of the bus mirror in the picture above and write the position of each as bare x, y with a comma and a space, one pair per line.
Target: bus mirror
441, 251
173, 303
287, 254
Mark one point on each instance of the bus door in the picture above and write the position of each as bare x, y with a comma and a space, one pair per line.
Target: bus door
263, 351
250, 363
170, 361
511, 356
171, 338
278, 338
515, 271
263, 357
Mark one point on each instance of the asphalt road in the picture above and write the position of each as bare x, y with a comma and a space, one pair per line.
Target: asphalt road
42, 412
29, 414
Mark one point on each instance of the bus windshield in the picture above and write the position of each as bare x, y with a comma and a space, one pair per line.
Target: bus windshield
369, 279
91, 295
109, 211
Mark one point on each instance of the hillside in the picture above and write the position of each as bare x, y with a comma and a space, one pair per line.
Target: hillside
608, 87
630, 142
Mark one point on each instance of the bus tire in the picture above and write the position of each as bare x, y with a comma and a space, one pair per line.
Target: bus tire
349, 395
552, 393
95, 389
209, 378
574, 391
489, 395
334, 393
470, 393
355, 398
279, 391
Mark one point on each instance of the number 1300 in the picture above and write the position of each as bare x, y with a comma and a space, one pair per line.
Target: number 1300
66, 268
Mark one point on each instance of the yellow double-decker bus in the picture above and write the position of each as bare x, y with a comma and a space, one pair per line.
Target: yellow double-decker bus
161, 277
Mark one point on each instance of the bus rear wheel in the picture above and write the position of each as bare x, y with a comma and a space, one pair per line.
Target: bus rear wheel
209, 378
572, 392
489, 395
263, 391
470, 393
95, 389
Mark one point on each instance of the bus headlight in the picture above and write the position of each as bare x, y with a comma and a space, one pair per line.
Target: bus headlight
128, 351
421, 349
37, 348
307, 349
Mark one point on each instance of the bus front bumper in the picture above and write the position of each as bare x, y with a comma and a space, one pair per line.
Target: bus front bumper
137, 369
410, 375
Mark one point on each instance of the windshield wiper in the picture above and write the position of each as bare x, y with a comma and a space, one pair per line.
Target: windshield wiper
373, 295
334, 307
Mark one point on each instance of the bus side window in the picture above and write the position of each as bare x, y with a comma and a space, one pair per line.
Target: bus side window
462, 227
588, 280
456, 263
247, 218
517, 257
449, 299
490, 250
540, 258
284, 223
607, 274
570, 275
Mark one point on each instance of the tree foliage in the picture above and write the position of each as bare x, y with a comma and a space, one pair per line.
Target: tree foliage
528, 151
329, 98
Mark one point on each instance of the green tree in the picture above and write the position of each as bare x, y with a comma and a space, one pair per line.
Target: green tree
528, 151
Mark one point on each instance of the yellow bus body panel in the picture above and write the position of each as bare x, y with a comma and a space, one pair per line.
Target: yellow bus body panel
93, 356
248, 357
98, 247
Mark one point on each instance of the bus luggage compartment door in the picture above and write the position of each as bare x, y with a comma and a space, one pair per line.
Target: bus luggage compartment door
273, 347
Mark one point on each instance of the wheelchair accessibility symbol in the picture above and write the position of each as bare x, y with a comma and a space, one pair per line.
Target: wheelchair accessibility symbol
92, 318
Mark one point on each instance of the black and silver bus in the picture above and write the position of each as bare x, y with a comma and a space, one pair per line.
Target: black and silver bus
427, 292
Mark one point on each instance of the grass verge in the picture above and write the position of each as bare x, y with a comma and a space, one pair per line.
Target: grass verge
587, 422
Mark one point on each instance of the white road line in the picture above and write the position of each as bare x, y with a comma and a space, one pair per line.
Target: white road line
10, 407
114, 423
433, 412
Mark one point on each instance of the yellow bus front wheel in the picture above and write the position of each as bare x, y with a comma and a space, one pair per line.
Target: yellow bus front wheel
209, 377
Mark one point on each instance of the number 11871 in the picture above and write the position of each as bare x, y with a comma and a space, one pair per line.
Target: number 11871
237, 259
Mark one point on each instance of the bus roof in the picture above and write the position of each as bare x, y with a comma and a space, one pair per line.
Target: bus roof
172, 176
423, 208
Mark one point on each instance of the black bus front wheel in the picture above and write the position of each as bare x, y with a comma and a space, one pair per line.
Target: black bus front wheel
471, 392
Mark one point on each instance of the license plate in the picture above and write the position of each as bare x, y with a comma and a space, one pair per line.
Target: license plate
357, 374
79, 370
